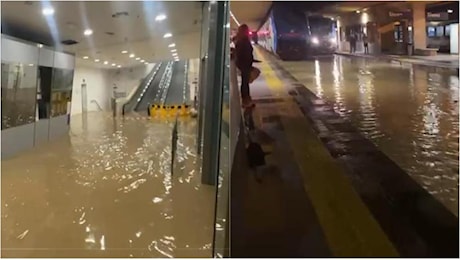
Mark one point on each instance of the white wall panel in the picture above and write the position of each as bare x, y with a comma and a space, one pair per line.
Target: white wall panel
64, 61
14, 51
17, 139
46, 57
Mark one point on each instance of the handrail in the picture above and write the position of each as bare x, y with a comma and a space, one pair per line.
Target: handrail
145, 82
97, 104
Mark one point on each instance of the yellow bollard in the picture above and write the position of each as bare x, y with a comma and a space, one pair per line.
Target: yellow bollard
172, 110
164, 111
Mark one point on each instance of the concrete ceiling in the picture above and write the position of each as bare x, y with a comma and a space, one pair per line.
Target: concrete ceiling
250, 13
137, 32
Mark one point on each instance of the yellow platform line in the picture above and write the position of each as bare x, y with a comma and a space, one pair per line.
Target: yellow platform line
349, 227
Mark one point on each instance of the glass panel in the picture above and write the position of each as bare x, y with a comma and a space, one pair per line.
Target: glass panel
221, 237
61, 91
19, 84
447, 30
45, 76
440, 31
431, 31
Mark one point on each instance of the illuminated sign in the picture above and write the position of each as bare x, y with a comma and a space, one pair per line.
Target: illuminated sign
442, 16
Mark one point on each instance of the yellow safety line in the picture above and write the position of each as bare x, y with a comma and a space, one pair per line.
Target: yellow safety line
349, 227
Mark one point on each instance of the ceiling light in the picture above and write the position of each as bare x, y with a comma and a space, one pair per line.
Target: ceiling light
172, 45
124, 52
119, 66
48, 11
357, 11
96, 60
40, 45
450, 11
160, 17
142, 60
113, 64
168, 35
146, 63
106, 62
138, 58
31, 65
132, 55
88, 32
173, 51
85, 57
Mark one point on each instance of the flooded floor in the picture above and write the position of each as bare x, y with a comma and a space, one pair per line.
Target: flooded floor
106, 191
410, 112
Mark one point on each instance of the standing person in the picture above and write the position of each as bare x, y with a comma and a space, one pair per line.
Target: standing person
244, 60
366, 43
352, 42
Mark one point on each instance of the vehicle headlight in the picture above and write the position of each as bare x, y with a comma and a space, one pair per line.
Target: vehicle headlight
314, 40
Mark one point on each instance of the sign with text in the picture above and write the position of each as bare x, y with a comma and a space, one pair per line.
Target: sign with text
400, 14
442, 16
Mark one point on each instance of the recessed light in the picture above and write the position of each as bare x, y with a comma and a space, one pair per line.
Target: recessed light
450, 11
138, 58
96, 60
113, 64
142, 60
106, 62
88, 32
160, 17
124, 52
132, 55
31, 65
40, 45
173, 50
85, 57
357, 11
172, 45
119, 66
146, 63
168, 35
48, 11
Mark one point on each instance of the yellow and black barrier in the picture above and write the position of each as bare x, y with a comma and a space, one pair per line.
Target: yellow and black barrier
169, 111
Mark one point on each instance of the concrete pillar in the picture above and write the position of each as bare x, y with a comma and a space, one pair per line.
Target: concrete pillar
419, 24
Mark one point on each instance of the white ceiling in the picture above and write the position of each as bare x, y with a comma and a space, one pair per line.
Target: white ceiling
251, 13
137, 33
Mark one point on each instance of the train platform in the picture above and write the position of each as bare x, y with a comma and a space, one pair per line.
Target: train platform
440, 60
327, 191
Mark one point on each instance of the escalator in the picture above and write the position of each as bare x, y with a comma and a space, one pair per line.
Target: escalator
148, 94
134, 100
178, 92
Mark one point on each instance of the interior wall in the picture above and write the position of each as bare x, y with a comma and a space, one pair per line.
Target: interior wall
100, 85
127, 79
97, 89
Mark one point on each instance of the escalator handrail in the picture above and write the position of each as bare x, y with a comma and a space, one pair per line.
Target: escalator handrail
129, 106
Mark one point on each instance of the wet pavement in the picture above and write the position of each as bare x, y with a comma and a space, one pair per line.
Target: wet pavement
106, 191
409, 112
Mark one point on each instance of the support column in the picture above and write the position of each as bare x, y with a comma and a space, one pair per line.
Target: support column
419, 24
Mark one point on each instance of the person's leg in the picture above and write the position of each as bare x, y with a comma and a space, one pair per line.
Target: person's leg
245, 74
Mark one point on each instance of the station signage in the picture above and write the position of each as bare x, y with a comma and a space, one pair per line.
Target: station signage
441, 16
400, 14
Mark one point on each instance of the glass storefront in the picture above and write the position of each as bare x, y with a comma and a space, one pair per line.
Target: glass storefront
19, 85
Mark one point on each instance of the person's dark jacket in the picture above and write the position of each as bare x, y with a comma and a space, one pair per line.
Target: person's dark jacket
243, 51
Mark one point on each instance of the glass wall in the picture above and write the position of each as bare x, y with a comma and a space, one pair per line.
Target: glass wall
61, 91
19, 85
45, 76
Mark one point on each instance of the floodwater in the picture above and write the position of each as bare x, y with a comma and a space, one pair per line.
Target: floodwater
106, 191
410, 112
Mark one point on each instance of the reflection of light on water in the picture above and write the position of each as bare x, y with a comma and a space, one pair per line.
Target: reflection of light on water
157, 200
319, 87
102, 242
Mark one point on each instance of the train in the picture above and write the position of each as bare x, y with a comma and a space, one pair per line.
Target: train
297, 36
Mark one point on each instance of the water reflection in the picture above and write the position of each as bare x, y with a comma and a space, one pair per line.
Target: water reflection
108, 189
409, 112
